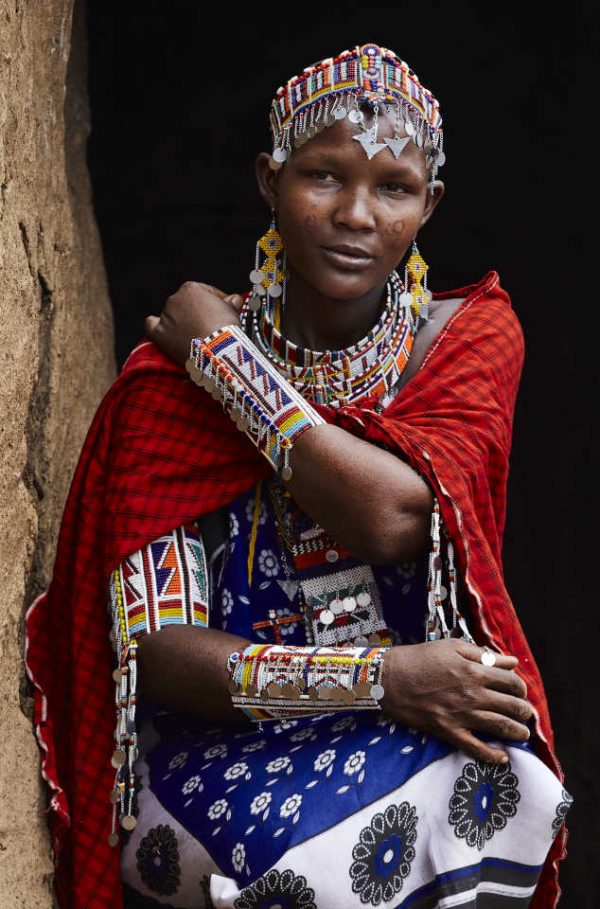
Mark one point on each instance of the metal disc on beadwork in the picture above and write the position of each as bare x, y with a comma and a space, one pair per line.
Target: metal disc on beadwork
280, 155
256, 276
273, 164
128, 822
251, 690
328, 119
113, 838
349, 604
326, 617
254, 303
406, 299
362, 690
340, 112
117, 675
336, 606
409, 128
286, 473
363, 599
355, 116
361, 641
275, 290
233, 687
118, 758
377, 692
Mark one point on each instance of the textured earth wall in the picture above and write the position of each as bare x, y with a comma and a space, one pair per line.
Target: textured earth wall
56, 344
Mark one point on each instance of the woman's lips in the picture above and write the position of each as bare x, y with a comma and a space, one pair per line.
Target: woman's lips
346, 261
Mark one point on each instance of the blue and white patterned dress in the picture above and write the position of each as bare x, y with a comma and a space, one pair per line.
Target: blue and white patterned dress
343, 809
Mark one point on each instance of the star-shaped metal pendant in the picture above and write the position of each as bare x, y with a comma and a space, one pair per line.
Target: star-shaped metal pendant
367, 141
397, 145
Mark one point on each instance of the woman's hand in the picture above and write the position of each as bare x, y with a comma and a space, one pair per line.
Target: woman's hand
442, 688
193, 311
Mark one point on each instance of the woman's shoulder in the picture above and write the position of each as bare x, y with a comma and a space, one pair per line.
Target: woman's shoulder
475, 309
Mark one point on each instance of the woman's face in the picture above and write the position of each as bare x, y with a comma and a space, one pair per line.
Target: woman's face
329, 193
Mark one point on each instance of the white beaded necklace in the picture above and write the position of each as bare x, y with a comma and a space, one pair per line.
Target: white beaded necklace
371, 367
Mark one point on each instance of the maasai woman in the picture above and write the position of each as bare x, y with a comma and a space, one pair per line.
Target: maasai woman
341, 708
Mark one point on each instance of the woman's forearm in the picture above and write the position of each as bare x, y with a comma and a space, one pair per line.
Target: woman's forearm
183, 668
366, 498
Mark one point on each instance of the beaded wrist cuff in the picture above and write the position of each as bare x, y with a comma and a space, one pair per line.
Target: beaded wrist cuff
306, 679
258, 399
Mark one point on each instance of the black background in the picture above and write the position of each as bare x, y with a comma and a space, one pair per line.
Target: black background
179, 107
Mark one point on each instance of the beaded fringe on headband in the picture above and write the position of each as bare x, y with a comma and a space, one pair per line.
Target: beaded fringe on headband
331, 90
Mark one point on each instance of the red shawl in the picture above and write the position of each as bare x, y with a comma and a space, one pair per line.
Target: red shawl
160, 451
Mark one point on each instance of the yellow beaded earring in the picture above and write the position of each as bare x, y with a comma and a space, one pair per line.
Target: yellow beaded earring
416, 294
268, 279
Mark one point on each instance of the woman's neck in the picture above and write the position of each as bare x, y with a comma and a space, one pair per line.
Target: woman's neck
312, 320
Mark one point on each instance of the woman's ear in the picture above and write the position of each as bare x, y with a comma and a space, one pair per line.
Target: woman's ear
435, 191
267, 179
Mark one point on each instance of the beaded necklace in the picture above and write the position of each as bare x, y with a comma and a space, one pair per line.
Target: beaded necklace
339, 594
371, 367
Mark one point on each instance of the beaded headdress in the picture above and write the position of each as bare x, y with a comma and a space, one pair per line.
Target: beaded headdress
331, 89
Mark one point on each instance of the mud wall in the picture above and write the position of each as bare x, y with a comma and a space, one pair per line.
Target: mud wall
56, 344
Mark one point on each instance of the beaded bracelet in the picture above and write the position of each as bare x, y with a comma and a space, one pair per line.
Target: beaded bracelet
260, 401
295, 679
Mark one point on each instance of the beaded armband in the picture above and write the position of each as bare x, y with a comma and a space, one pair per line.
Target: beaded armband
163, 583
256, 396
299, 679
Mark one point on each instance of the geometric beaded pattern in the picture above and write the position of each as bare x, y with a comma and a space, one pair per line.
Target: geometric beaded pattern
371, 367
163, 583
374, 71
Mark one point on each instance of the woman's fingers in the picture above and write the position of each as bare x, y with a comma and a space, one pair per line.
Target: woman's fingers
235, 300
506, 705
506, 681
150, 325
473, 652
477, 749
496, 724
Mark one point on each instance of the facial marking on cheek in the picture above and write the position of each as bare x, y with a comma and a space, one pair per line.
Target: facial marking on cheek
395, 230
310, 219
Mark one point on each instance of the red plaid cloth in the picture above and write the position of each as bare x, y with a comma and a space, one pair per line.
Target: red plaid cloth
160, 451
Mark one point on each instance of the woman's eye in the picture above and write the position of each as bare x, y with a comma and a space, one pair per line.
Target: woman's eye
320, 174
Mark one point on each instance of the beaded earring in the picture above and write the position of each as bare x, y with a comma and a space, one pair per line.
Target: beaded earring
416, 295
268, 279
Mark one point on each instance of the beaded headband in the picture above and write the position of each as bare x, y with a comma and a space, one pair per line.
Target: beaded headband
331, 89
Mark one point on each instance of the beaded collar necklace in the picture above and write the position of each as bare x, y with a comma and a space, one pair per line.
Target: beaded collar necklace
370, 367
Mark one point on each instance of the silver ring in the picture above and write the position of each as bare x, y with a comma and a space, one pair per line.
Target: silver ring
488, 657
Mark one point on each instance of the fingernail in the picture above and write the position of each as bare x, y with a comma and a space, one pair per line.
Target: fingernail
504, 759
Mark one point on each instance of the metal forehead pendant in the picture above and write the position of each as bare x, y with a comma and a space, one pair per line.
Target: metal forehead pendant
367, 140
397, 146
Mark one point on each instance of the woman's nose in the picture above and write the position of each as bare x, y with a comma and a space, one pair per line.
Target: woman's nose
354, 209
